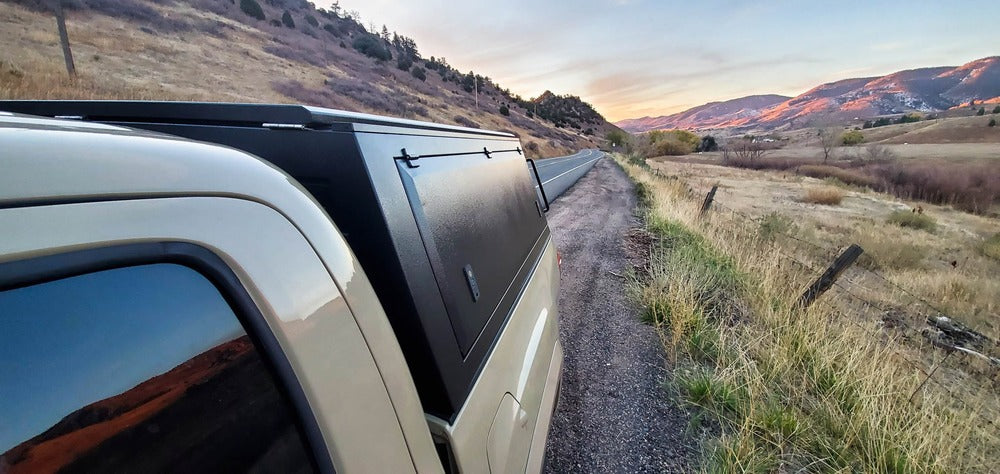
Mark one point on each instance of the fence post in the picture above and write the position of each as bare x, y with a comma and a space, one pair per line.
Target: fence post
64, 37
829, 277
705, 206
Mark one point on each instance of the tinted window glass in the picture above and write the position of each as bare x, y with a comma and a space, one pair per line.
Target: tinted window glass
139, 369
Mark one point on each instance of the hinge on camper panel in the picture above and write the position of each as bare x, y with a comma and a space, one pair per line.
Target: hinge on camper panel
409, 159
487, 152
283, 126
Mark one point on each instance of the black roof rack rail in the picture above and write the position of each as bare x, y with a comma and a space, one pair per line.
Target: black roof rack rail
223, 113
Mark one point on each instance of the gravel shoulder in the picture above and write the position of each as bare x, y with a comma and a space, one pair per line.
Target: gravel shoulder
613, 413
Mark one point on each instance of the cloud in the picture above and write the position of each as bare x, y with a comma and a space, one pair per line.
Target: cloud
889, 46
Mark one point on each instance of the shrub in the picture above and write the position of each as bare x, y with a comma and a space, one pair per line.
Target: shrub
912, 220
991, 247
252, 9
971, 187
332, 30
669, 142
286, 19
371, 46
419, 73
993, 123
465, 122
996, 109
982, 111
312, 21
908, 118
276, 22
708, 143
883, 252
404, 63
616, 137
774, 224
504, 110
845, 176
669, 146
876, 153
826, 196
852, 137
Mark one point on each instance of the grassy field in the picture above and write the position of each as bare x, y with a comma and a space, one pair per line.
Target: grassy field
843, 385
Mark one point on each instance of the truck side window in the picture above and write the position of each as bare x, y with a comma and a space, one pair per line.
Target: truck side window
137, 369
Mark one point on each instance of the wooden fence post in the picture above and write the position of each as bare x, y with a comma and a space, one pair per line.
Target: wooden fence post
64, 37
831, 274
705, 206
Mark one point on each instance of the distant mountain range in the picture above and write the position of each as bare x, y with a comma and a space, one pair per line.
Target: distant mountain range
924, 90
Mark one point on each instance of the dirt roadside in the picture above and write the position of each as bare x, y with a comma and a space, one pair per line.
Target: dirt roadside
614, 414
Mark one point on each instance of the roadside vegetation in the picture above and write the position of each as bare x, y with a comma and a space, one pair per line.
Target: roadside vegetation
972, 186
913, 220
827, 196
788, 389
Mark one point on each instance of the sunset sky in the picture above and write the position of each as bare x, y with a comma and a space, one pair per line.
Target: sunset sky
632, 58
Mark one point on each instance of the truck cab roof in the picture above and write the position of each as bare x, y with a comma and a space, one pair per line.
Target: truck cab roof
78, 161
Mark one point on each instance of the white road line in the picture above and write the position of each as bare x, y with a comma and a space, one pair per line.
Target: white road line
556, 161
563, 161
567, 171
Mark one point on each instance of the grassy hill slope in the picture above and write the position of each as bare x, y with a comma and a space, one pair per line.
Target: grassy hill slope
214, 50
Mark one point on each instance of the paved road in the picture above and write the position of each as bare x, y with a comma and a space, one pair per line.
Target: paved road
558, 174
613, 414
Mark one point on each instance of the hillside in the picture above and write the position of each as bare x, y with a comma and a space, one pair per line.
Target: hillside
924, 90
83, 431
283, 51
710, 115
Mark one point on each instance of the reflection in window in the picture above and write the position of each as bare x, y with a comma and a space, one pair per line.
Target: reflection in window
139, 369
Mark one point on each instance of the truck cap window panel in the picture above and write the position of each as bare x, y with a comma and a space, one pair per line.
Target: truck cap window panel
139, 369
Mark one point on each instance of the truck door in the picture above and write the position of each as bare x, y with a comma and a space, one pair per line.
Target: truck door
153, 334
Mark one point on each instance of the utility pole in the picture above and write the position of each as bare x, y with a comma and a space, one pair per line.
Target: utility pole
64, 38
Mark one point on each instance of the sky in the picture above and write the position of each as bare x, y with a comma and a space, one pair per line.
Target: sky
635, 58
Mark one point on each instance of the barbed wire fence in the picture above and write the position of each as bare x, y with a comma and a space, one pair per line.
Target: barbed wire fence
849, 287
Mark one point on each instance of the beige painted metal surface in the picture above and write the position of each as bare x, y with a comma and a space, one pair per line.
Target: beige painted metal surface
519, 366
298, 298
536, 457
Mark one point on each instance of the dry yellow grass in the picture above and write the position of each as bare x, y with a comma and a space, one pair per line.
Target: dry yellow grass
896, 252
826, 196
830, 389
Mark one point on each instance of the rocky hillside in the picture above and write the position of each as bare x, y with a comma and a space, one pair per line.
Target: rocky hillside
921, 90
269, 51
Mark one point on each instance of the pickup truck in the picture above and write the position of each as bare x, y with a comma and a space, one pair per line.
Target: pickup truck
236, 287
